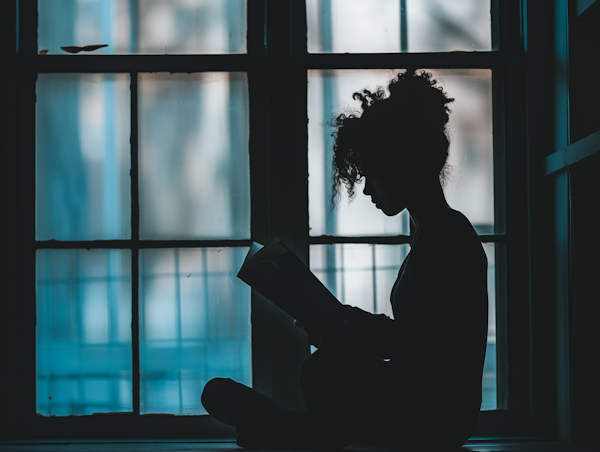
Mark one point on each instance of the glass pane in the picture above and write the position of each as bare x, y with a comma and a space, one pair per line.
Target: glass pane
194, 168
358, 26
470, 186
143, 26
83, 157
194, 325
192, 26
359, 275
83, 332
489, 380
363, 275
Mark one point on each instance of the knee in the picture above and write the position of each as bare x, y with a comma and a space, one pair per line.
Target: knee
213, 391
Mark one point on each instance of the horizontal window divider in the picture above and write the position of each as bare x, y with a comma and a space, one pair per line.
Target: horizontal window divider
140, 63
244, 62
333, 240
443, 60
392, 240
141, 244
59, 442
164, 427
576, 152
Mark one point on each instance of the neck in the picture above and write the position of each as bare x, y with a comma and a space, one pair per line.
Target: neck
428, 200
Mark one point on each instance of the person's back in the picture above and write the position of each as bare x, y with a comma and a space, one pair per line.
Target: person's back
440, 304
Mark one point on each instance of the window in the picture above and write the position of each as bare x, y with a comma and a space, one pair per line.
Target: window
190, 169
148, 166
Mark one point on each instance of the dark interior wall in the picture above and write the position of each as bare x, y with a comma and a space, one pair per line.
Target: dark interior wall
584, 106
585, 333
584, 70
539, 84
9, 224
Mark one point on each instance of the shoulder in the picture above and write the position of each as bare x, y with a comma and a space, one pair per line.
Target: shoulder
448, 233
446, 224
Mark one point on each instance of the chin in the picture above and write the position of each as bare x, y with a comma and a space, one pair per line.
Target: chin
391, 212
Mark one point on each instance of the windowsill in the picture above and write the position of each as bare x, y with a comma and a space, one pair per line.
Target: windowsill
512, 444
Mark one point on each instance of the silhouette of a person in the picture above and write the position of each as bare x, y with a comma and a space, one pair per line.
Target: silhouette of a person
410, 382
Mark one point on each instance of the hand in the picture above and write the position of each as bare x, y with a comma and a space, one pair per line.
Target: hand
355, 319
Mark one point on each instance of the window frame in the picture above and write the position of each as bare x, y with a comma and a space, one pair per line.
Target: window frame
29, 64
277, 63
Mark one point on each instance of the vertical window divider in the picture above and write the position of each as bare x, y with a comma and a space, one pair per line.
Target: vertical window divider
27, 27
299, 131
259, 212
135, 244
9, 332
500, 228
403, 27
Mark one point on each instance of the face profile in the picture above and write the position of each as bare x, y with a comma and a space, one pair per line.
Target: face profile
398, 143
383, 196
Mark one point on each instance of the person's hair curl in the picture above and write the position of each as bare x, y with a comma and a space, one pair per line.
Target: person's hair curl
413, 119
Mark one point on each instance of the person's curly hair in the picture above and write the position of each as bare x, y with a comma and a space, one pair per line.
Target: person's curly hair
409, 126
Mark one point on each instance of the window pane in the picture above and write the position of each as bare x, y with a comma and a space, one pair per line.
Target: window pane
363, 275
192, 26
358, 26
194, 325
194, 169
489, 381
359, 275
470, 186
82, 157
83, 332
143, 26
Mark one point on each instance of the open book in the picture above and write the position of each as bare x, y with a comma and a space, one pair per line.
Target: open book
278, 274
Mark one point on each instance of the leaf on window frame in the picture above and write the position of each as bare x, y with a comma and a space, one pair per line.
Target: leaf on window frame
94, 47
43, 52
72, 49
90, 48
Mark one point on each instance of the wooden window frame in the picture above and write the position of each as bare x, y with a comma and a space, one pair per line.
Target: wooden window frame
277, 63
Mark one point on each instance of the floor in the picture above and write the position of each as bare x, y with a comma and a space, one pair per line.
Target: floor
205, 446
